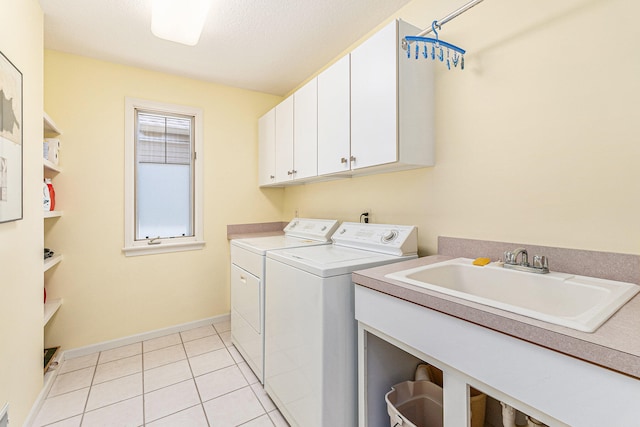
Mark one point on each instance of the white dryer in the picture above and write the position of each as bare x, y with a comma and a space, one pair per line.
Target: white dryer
248, 282
310, 326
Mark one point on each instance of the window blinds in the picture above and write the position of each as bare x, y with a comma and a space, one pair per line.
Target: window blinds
163, 139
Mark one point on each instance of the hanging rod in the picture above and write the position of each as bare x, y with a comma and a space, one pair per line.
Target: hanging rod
450, 16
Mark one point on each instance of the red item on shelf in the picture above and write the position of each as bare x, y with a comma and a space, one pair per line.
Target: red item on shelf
52, 196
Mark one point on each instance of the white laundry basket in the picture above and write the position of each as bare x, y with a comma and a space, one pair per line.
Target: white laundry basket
415, 404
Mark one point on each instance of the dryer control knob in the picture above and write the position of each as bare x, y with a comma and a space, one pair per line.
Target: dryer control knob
389, 236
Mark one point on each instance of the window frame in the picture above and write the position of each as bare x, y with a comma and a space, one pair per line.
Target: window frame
134, 247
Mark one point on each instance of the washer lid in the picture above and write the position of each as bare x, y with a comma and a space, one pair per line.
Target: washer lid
332, 260
260, 245
299, 232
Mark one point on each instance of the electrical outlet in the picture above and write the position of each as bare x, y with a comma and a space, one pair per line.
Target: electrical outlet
365, 216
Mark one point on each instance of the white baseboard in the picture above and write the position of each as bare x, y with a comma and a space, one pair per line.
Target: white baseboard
119, 342
49, 377
108, 345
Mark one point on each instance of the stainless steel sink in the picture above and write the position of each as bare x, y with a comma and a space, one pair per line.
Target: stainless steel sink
577, 302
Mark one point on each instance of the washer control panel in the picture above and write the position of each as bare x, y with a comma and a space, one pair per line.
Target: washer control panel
385, 238
308, 228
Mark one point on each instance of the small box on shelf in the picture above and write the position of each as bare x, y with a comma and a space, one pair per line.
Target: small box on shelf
50, 150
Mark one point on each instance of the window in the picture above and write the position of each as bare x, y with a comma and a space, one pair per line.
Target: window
163, 178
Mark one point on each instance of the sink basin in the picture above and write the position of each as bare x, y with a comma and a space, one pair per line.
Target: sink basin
577, 302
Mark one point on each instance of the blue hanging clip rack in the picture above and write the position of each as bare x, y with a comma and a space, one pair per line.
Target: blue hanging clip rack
454, 54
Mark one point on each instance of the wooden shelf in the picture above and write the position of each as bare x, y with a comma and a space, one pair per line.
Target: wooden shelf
52, 214
50, 262
50, 308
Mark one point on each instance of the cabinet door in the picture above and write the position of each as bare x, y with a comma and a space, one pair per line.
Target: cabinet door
267, 148
284, 140
374, 100
305, 131
334, 121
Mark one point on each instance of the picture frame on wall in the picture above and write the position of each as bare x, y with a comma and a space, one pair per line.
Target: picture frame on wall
10, 141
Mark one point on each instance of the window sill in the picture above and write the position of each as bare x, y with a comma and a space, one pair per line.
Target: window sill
162, 248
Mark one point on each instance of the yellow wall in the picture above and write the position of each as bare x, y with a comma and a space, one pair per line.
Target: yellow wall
107, 295
21, 241
536, 140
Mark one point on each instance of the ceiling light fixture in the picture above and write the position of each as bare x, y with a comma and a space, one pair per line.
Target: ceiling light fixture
179, 21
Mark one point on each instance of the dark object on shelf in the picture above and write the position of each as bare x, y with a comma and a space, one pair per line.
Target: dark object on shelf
48, 253
49, 354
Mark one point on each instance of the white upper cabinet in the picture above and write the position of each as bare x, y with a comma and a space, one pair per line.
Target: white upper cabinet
284, 140
391, 103
334, 134
305, 131
267, 148
372, 111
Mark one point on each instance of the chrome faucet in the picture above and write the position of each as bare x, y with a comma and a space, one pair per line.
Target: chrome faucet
525, 257
540, 262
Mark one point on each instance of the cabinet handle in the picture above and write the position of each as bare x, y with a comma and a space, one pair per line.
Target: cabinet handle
272, 176
353, 158
343, 160
289, 172
243, 279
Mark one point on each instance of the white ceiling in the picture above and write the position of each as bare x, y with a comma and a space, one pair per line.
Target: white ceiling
265, 45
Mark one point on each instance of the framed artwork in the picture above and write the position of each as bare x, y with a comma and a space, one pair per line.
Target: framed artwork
10, 141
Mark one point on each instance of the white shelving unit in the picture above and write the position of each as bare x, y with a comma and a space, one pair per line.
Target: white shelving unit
50, 170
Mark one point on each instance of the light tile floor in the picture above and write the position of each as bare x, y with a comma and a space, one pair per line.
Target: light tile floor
188, 379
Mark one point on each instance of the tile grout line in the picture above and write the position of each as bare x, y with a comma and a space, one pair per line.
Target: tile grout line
250, 385
86, 402
144, 413
260, 401
193, 376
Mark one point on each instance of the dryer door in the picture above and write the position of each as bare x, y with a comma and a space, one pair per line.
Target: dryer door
245, 297
247, 318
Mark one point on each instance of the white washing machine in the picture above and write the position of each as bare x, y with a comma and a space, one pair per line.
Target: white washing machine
248, 282
310, 326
